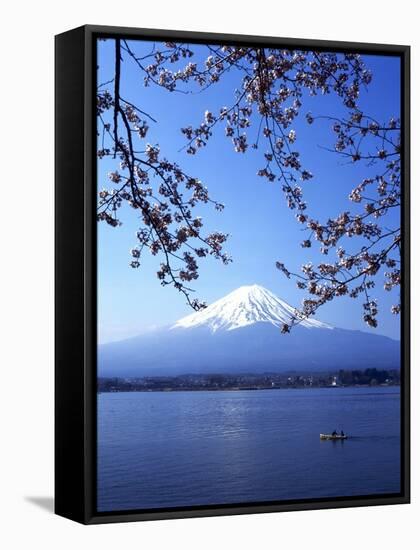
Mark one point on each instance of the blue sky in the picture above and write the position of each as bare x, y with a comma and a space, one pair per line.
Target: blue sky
262, 229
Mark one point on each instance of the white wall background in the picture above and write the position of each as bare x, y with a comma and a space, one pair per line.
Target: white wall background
26, 273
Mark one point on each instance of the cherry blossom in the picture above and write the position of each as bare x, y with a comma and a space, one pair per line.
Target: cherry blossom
272, 85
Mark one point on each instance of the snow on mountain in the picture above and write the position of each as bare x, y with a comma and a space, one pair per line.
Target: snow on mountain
245, 306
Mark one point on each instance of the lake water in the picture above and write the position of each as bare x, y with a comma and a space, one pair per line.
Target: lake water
189, 448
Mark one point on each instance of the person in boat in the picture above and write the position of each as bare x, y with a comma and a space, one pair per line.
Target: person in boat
342, 433
334, 433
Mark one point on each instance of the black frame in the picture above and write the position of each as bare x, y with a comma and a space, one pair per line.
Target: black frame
75, 276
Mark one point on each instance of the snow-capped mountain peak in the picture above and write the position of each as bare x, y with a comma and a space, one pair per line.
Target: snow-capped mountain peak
245, 306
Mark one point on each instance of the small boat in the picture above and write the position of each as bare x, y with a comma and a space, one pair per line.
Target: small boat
332, 437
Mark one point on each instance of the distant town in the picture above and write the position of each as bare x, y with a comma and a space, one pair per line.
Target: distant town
268, 381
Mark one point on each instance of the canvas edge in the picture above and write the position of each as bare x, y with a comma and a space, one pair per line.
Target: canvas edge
70, 420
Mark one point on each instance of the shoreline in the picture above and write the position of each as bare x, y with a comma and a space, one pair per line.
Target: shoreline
238, 389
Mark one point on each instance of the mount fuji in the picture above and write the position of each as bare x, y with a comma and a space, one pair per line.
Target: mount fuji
240, 333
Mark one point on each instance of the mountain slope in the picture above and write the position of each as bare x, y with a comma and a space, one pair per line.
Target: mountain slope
240, 333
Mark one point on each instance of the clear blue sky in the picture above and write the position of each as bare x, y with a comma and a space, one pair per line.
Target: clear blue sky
262, 229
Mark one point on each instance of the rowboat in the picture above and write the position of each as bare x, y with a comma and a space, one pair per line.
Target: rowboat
333, 437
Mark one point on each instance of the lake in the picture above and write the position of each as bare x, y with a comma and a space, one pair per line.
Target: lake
169, 449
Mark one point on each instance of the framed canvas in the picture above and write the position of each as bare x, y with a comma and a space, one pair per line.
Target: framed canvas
232, 274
